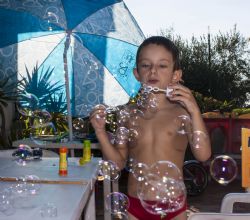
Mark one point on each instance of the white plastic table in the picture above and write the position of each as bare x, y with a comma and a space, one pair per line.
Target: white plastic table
70, 199
71, 145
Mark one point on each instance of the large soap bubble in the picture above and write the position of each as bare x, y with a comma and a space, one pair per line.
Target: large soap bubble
108, 170
223, 169
162, 190
140, 171
6, 203
117, 204
198, 139
183, 123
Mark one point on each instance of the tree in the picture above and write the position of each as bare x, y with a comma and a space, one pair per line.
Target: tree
216, 67
231, 67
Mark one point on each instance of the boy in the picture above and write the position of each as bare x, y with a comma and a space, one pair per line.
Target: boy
157, 65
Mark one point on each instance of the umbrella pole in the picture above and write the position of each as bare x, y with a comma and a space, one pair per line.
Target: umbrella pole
65, 61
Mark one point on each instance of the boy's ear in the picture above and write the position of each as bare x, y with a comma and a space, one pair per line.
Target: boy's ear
136, 73
177, 77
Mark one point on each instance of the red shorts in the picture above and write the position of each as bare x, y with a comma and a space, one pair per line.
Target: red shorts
137, 210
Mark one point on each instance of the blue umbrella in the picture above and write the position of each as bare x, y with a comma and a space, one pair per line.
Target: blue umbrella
91, 44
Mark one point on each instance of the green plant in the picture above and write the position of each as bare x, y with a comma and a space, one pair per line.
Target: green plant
208, 104
37, 87
56, 103
40, 93
57, 107
241, 111
54, 123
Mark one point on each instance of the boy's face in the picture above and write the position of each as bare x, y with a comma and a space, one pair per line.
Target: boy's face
156, 67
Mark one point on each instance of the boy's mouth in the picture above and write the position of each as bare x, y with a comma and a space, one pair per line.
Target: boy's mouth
152, 81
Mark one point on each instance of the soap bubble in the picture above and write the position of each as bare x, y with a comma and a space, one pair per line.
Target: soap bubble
162, 190
165, 169
108, 170
48, 210
147, 101
49, 21
133, 137
140, 171
28, 101
123, 115
223, 169
183, 123
78, 124
198, 139
131, 163
135, 115
117, 203
43, 116
23, 195
6, 203
148, 192
40, 130
99, 111
22, 155
31, 184
121, 136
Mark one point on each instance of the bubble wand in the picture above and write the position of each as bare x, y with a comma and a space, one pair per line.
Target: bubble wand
167, 91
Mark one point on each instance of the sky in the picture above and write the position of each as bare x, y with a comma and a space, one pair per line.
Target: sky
191, 17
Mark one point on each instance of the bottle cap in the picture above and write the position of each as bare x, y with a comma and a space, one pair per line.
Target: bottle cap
63, 150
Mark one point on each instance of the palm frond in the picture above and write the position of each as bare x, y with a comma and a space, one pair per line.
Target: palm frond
38, 82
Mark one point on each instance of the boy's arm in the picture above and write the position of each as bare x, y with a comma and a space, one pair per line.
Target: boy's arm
200, 141
201, 147
117, 154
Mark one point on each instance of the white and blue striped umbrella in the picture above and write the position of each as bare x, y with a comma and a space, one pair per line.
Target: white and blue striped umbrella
99, 39
91, 44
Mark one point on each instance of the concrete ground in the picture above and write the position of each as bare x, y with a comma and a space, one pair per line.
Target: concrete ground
209, 201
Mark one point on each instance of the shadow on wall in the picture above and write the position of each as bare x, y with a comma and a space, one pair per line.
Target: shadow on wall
7, 117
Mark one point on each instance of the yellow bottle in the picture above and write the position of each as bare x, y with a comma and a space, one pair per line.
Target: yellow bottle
86, 150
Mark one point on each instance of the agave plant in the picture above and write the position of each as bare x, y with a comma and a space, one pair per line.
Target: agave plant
56, 103
38, 84
39, 93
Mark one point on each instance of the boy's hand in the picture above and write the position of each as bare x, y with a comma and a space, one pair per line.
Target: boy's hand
98, 118
184, 96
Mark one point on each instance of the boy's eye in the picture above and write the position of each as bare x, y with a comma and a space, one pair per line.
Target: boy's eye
148, 66
145, 65
163, 66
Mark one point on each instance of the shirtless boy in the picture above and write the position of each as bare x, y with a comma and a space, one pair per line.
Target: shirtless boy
157, 65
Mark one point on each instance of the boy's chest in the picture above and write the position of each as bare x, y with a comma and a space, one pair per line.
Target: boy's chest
162, 128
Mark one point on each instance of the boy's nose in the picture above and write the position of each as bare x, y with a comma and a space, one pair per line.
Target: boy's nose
153, 69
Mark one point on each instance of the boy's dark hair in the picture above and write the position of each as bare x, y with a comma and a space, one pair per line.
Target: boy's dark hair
165, 42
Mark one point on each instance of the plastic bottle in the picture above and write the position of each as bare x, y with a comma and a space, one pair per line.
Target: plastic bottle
86, 151
63, 162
